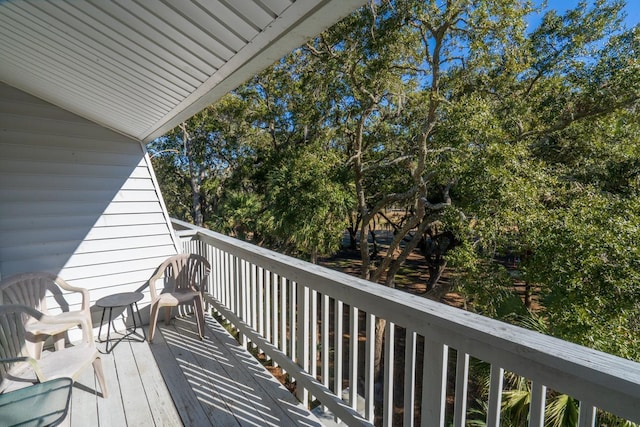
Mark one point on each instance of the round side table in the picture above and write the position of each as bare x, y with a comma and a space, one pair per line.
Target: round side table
124, 299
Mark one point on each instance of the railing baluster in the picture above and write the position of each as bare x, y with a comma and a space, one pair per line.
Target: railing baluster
250, 294
409, 376
587, 415
313, 332
268, 307
232, 282
205, 286
389, 360
244, 291
293, 286
218, 263
303, 348
434, 383
353, 357
219, 271
212, 279
495, 396
261, 302
242, 296
283, 316
370, 345
224, 283
215, 272
325, 342
227, 280
275, 285
255, 302
233, 265
337, 354
536, 408
462, 384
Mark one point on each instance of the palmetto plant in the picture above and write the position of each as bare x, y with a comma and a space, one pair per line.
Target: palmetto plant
561, 410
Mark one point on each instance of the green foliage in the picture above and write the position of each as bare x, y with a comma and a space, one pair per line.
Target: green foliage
174, 187
307, 204
591, 252
194, 160
525, 143
239, 214
562, 411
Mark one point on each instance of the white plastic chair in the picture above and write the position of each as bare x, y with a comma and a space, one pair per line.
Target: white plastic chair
33, 290
183, 277
19, 369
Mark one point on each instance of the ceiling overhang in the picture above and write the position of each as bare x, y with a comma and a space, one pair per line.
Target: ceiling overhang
140, 67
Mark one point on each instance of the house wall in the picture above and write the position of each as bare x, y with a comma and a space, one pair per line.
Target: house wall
77, 200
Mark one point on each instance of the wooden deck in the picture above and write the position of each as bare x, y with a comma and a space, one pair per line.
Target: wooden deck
180, 380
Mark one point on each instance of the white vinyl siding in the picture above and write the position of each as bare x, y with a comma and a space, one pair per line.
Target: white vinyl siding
76, 199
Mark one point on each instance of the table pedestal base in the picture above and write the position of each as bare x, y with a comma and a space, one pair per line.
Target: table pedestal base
126, 299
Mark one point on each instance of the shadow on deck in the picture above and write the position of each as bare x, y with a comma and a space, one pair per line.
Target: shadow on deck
181, 380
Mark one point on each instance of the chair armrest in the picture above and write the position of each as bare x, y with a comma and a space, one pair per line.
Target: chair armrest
65, 318
85, 293
31, 361
151, 283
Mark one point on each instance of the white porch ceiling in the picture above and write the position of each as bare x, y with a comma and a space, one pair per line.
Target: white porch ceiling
140, 67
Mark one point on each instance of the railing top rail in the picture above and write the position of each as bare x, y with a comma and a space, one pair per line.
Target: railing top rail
604, 380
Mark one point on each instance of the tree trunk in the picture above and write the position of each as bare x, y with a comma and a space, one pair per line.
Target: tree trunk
198, 218
374, 242
365, 273
195, 177
379, 346
435, 272
352, 238
528, 293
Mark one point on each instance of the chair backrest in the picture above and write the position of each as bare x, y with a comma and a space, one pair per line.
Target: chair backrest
31, 289
13, 340
181, 272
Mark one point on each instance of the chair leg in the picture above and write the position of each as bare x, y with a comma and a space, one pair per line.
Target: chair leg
97, 369
198, 307
167, 315
153, 318
58, 341
35, 348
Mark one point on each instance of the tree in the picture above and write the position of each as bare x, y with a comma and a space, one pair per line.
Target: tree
560, 187
198, 155
391, 68
307, 203
500, 143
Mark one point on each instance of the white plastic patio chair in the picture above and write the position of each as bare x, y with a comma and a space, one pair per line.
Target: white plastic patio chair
182, 277
33, 290
19, 369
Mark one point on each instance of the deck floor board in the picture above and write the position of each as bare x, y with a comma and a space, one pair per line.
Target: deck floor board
182, 380
110, 410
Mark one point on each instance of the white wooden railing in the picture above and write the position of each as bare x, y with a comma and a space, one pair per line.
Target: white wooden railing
288, 309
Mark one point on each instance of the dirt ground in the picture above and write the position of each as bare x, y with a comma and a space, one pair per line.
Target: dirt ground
411, 278
413, 275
